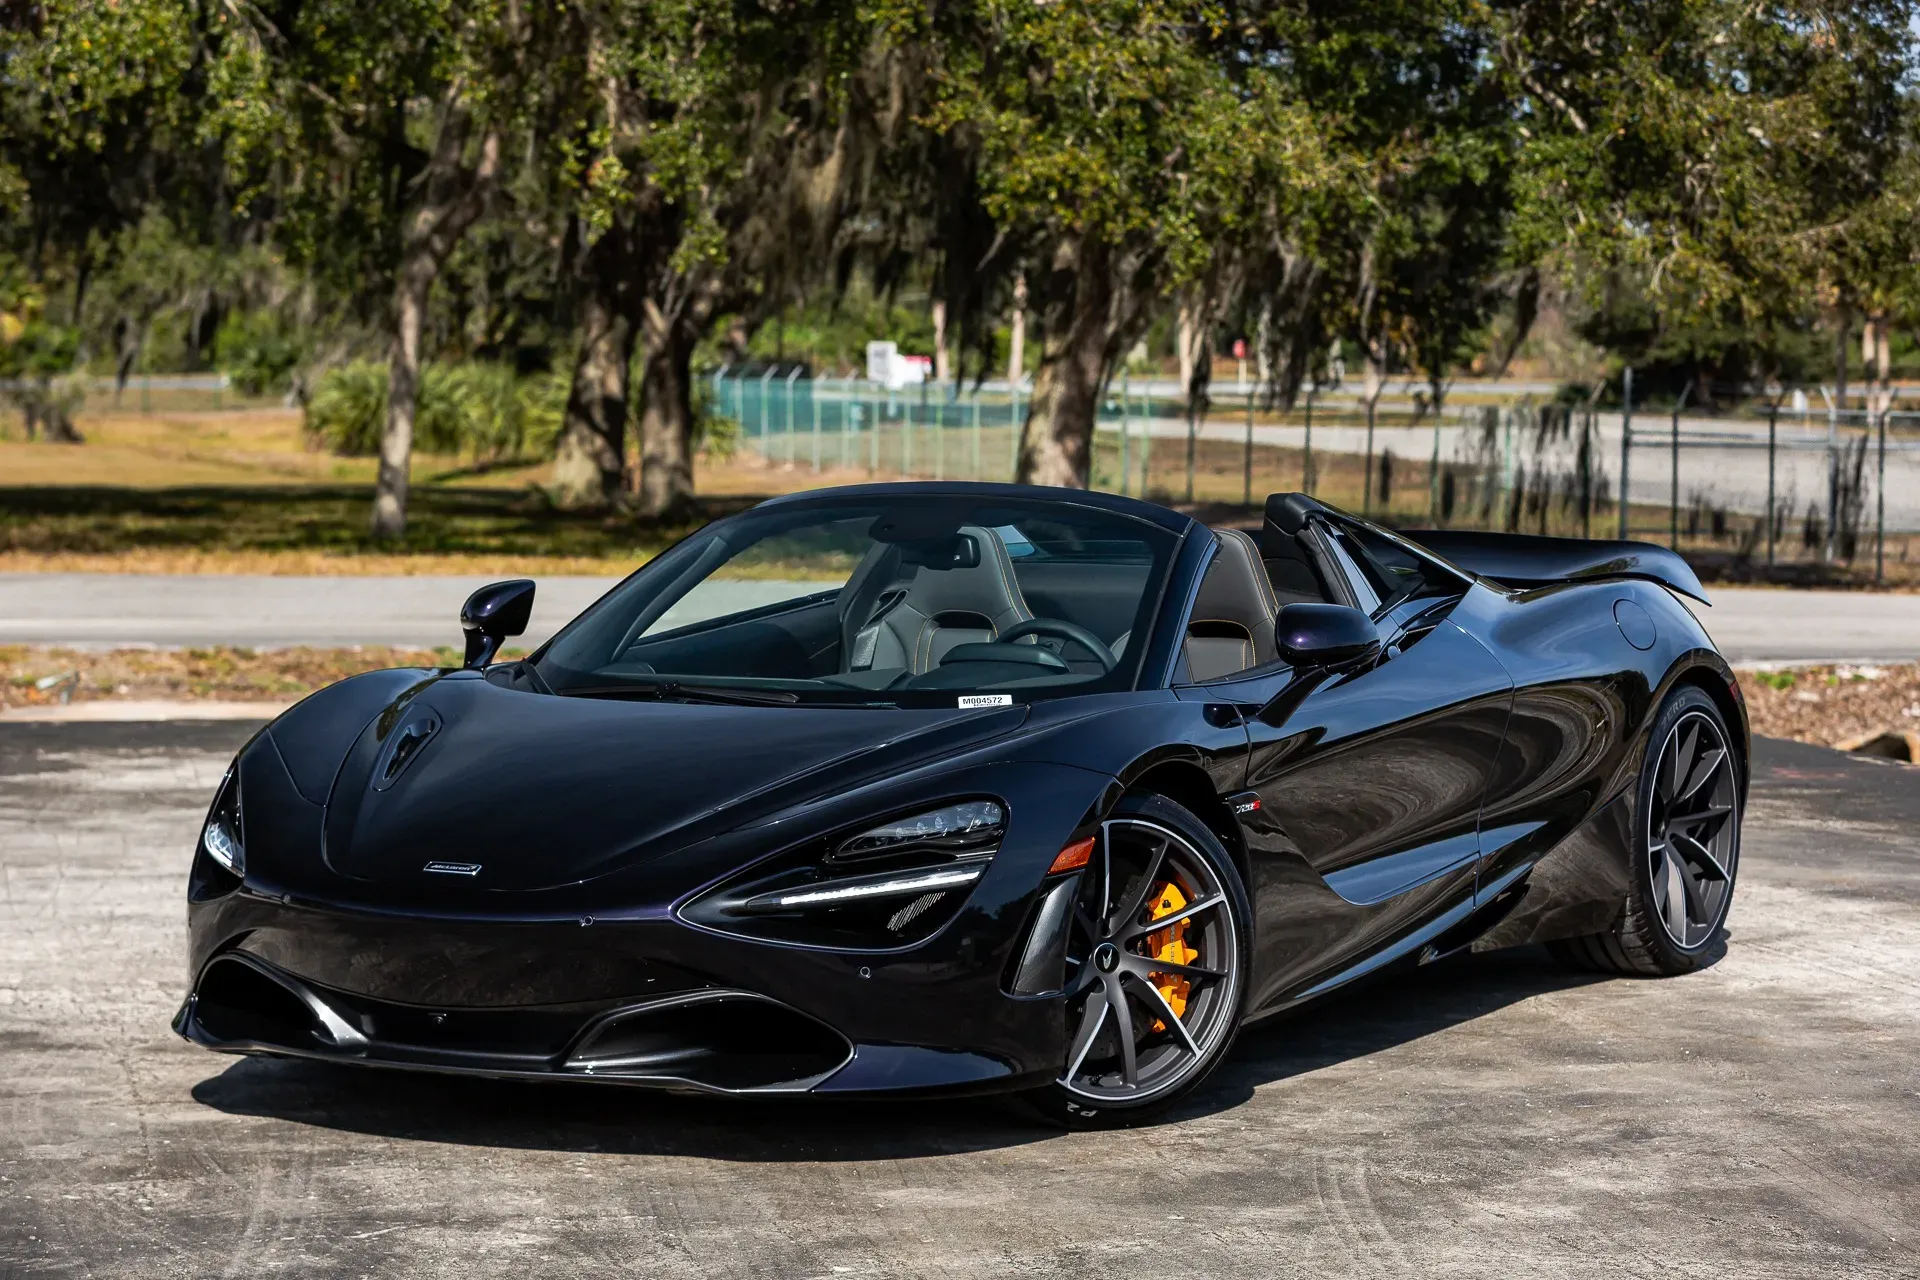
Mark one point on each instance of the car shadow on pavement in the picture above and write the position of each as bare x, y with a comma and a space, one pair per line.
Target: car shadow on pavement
1369, 1017
568, 1116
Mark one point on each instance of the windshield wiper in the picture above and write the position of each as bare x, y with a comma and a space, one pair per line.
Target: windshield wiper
674, 690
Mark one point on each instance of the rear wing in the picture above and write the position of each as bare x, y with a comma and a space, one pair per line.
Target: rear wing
1524, 560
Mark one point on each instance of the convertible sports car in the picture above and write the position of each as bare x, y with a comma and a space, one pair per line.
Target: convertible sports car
966, 788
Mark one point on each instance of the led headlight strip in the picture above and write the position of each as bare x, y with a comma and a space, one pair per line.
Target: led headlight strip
872, 887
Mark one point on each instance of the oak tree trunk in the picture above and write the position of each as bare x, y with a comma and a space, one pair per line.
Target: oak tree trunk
1056, 447
590, 459
941, 370
1017, 344
403, 396
666, 419
454, 198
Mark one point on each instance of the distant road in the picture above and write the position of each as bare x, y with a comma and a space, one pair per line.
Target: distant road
100, 611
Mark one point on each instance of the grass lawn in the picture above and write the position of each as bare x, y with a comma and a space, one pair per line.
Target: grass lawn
239, 492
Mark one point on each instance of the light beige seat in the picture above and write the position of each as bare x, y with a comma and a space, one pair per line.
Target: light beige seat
1232, 624
942, 607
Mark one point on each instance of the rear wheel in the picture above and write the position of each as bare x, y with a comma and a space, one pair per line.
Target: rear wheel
1156, 967
1686, 849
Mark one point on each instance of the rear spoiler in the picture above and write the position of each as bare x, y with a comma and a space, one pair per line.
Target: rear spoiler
1523, 560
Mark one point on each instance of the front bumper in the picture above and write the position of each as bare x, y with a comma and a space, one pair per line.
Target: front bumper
705, 1040
624, 991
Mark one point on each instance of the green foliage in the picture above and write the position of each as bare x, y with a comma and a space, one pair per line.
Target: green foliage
348, 409
259, 350
716, 434
479, 410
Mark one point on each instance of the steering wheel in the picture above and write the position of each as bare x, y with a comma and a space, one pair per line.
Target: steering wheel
1060, 627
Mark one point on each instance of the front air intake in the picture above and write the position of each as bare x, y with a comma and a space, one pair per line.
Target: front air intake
242, 1001
720, 1040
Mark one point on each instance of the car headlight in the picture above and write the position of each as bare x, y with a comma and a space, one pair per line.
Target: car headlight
887, 886
956, 829
221, 837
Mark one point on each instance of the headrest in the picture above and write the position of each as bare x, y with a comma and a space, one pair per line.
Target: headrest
979, 582
1236, 590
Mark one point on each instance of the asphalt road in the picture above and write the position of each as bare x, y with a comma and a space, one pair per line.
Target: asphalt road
1494, 1115
108, 610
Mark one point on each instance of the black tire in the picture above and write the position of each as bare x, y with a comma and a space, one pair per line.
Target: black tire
1168, 1061
1684, 859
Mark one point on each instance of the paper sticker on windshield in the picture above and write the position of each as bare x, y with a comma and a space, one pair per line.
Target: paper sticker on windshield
985, 700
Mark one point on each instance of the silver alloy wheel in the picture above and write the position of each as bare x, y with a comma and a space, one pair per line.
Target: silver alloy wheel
1693, 831
1127, 1042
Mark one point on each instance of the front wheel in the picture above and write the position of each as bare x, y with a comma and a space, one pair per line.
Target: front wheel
1686, 852
1157, 967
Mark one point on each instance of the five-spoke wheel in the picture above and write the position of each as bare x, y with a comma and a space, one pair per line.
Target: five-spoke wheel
1686, 836
1155, 964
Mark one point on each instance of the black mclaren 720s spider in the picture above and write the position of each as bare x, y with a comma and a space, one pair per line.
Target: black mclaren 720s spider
969, 788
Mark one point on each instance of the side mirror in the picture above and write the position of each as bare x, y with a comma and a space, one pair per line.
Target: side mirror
1326, 635
493, 613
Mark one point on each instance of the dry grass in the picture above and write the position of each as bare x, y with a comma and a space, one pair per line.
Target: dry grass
37, 676
239, 492
1824, 705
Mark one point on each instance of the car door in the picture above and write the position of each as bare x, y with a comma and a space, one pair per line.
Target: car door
1375, 777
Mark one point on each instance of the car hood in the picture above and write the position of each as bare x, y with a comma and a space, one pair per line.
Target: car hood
523, 791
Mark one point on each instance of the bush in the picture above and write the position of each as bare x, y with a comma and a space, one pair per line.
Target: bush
348, 409
484, 411
258, 351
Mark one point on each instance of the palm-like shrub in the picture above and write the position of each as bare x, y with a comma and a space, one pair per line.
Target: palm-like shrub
481, 410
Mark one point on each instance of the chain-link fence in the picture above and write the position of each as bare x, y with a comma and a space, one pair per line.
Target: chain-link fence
1755, 487
140, 393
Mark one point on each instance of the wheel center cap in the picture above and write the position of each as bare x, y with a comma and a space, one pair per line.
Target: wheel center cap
1106, 957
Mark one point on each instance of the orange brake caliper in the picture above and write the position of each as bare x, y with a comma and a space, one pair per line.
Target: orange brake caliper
1170, 944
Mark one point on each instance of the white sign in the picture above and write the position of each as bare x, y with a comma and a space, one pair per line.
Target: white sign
886, 366
985, 700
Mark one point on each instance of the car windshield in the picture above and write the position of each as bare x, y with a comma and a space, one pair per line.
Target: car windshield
920, 600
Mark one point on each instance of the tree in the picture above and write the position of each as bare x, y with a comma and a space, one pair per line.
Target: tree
374, 136
1120, 145
1707, 157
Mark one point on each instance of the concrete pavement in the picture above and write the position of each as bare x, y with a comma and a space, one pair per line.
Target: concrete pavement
1493, 1116
105, 610
112, 610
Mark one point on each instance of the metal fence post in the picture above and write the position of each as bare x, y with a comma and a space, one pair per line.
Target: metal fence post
766, 398
788, 391
1589, 424
1246, 468
813, 398
873, 440
975, 473
1673, 492
1366, 482
1433, 474
1833, 483
1880, 504
1193, 437
1626, 452
1773, 446
1126, 460
1306, 458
